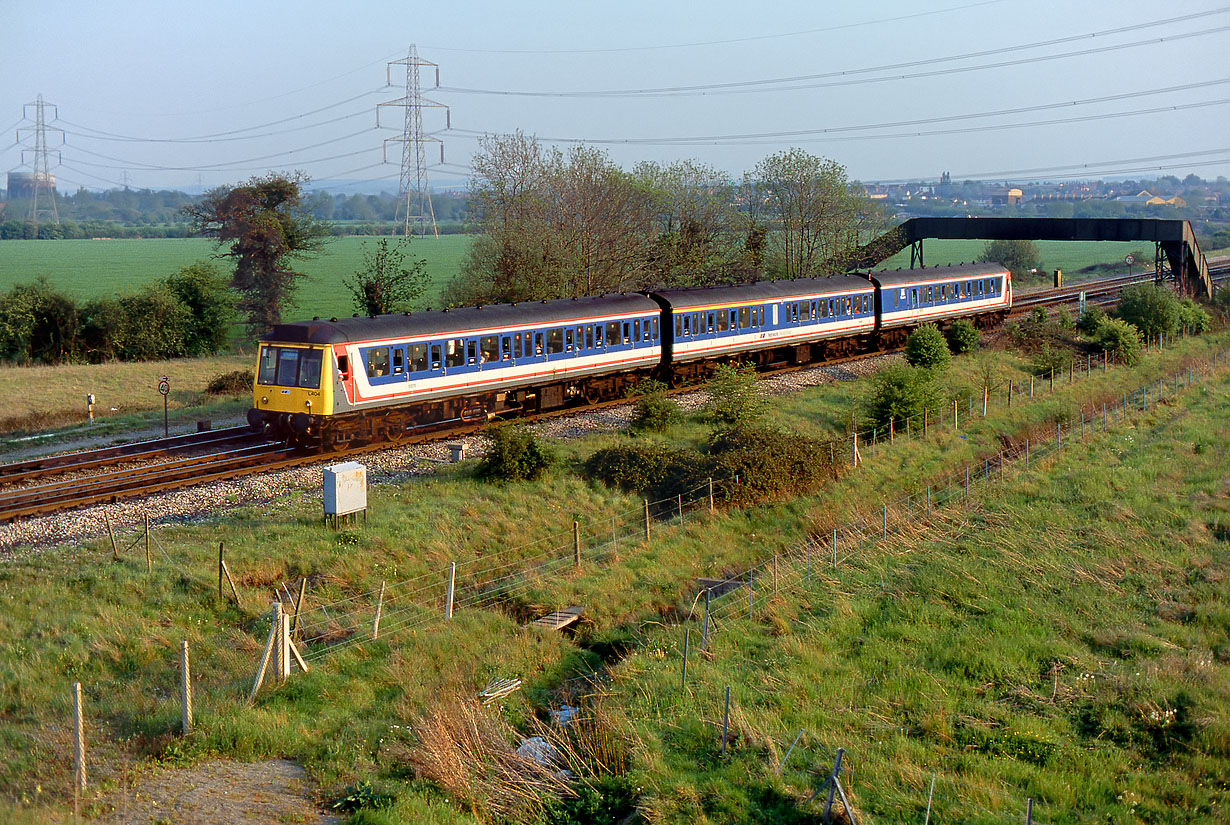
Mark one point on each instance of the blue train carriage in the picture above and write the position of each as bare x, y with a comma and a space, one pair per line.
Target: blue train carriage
909, 297
380, 378
769, 322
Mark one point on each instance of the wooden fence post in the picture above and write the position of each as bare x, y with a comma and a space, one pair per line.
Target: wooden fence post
576, 545
115, 549
646, 519
985, 392
219, 571
294, 630
379, 612
78, 743
185, 689
283, 644
683, 678
955, 420
448, 596
704, 633
710, 496
149, 566
725, 720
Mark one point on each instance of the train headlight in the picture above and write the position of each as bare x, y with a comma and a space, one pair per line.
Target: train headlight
264, 399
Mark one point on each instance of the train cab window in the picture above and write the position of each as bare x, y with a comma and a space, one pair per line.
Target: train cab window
343, 367
435, 356
269, 365
488, 348
377, 362
555, 341
454, 352
309, 368
723, 321
399, 361
612, 333
418, 357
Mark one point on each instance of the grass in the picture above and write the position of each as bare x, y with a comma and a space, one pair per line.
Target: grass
91, 269
36, 398
936, 653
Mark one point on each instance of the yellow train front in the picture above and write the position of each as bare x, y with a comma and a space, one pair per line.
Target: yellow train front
293, 390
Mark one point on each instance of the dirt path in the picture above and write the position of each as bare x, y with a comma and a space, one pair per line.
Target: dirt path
217, 792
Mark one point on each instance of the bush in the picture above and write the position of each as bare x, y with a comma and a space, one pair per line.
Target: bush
38, 324
769, 462
733, 395
644, 468
901, 393
1151, 308
1119, 337
514, 455
1049, 358
653, 411
1193, 318
236, 382
926, 347
1064, 318
1221, 300
962, 336
210, 304
1093, 318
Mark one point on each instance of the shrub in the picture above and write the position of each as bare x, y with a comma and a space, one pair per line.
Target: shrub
733, 395
38, 324
1221, 300
901, 393
652, 470
211, 307
768, 462
1193, 317
653, 411
514, 455
1091, 320
1064, 318
1119, 337
1040, 315
1151, 308
962, 336
926, 347
236, 382
1049, 358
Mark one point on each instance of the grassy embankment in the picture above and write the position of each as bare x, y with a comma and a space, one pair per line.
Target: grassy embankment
961, 649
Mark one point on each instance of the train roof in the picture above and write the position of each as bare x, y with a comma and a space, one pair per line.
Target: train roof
461, 320
905, 277
762, 291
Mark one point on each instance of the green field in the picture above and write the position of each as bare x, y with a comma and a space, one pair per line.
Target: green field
1070, 256
90, 269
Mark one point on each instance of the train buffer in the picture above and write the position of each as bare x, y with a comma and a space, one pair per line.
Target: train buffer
559, 619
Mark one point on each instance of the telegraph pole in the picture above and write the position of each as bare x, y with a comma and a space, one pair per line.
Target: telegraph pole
44, 186
414, 194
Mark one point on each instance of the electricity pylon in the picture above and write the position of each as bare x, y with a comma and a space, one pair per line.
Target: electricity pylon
414, 196
41, 179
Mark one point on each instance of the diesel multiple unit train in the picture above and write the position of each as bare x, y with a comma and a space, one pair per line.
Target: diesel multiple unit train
338, 382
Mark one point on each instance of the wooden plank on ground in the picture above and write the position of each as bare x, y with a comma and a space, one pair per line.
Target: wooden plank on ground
559, 619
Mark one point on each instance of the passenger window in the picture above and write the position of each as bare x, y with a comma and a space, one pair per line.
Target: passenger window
309, 368
568, 340
745, 319
555, 340
538, 343
589, 337
454, 352
377, 362
488, 348
655, 329
696, 323
418, 357
678, 326
710, 322
435, 356
687, 325
505, 347
612, 333
636, 330
913, 297
399, 361
723, 321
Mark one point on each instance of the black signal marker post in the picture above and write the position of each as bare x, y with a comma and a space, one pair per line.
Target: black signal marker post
164, 387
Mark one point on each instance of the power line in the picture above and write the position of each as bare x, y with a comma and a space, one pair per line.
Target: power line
753, 137
847, 79
731, 41
1090, 166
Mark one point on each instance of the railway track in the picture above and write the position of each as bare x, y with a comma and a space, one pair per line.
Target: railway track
183, 461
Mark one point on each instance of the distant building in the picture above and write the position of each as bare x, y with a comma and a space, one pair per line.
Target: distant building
22, 184
1007, 197
1146, 198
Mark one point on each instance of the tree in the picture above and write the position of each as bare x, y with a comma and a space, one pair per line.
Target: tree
210, 304
1018, 256
734, 395
927, 347
387, 282
962, 336
267, 226
820, 216
902, 393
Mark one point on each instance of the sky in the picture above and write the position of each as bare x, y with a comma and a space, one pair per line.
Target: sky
194, 95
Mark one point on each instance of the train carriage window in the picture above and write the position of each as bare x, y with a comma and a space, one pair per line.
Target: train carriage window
454, 352
538, 338
568, 339
377, 362
627, 332
517, 348
687, 326
762, 316
269, 365
612, 333
794, 312
589, 337
472, 351
745, 318
636, 330
824, 309
505, 348
913, 297
488, 348
678, 326
418, 357
435, 356
696, 323
980, 287
399, 361
655, 329
309, 368
723, 321
580, 338
555, 341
